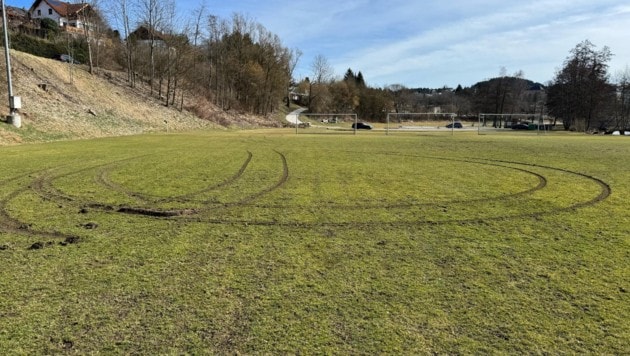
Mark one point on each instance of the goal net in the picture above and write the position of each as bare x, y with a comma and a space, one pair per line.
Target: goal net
500, 122
426, 121
327, 120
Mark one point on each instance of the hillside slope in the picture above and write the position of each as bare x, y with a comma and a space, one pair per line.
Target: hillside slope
62, 101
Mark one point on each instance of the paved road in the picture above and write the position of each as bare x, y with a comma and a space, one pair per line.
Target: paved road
293, 117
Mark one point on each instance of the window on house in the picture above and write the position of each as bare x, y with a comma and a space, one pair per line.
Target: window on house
49, 11
39, 12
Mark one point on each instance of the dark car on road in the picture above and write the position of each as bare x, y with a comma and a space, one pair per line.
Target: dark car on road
456, 124
521, 126
361, 126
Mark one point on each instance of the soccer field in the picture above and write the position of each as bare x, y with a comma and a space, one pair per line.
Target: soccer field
267, 242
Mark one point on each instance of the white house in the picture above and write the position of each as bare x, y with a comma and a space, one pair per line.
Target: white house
65, 14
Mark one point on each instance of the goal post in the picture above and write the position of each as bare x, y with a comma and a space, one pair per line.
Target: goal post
420, 121
520, 121
327, 120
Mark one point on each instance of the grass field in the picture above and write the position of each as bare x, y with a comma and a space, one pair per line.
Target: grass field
267, 242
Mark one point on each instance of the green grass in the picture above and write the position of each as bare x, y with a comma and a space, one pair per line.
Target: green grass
267, 242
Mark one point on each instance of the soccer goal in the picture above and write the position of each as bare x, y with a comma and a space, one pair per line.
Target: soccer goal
330, 121
500, 122
423, 121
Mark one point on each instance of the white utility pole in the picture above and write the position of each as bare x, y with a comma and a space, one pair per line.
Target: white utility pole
15, 102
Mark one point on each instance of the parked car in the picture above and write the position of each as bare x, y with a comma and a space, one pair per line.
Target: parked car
67, 58
521, 126
456, 124
362, 126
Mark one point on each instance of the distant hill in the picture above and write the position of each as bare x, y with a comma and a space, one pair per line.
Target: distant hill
511, 81
62, 102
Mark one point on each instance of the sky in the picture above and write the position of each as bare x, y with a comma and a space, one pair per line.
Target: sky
423, 43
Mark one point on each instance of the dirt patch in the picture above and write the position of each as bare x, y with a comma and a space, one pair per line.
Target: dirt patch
155, 212
70, 240
40, 245
89, 226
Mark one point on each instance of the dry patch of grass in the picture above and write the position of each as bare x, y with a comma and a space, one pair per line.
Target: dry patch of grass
62, 101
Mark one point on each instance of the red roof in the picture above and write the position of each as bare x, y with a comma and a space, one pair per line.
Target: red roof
64, 9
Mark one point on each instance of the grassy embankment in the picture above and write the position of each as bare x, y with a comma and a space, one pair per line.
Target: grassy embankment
267, 242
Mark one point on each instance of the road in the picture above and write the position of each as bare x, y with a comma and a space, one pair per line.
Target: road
293, 117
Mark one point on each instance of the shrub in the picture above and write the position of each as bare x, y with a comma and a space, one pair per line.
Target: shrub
50, 27
33, 45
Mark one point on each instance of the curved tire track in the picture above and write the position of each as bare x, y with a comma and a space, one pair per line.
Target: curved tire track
605, 192
102, 178
43, 186
542, 183
11, 224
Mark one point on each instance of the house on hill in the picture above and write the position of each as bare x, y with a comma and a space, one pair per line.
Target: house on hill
66, 15
144, 35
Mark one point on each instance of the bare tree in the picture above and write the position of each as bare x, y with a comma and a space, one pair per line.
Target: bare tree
401, 97
122, 14
622, 110
196, 27
93, 25
318, 84
153, 14
321, 69
295, 56
580, 89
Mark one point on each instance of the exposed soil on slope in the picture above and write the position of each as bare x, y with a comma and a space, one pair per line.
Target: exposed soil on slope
61, 101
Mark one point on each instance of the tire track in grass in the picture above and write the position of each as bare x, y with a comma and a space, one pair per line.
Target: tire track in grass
13, 225
223, 184
542, 183
102, 178
284, 177
157, 213
604, 193
43, 186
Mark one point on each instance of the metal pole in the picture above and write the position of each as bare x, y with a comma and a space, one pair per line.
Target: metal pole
14, 117
479, 124
6, 50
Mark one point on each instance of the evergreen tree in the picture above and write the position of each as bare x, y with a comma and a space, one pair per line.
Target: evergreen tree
359, 80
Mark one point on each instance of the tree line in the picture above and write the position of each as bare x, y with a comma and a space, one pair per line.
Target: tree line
582, 96
235, 63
